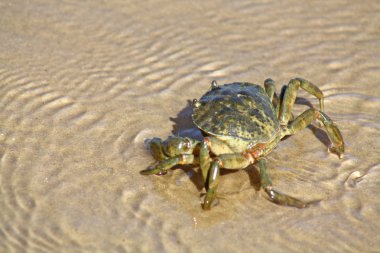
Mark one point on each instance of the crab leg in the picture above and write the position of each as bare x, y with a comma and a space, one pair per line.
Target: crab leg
213, 181
204, 160
308, 116
291, 94
216, 146
270, 88
334, 134
227, 161
162, 167
275, 196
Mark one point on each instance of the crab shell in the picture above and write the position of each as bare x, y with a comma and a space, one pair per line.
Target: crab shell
239, 113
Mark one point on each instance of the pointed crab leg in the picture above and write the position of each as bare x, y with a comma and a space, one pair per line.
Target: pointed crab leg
228, 161
291, 94
204, 160
308, 116
213, 181
270, 89
210, 167
275, 196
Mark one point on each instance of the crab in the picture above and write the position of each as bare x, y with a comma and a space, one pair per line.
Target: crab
241, 124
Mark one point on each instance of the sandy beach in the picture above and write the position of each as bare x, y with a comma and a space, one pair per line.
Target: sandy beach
83, 84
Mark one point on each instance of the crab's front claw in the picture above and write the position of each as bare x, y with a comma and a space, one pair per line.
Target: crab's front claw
161, 168
156, 148
153, 170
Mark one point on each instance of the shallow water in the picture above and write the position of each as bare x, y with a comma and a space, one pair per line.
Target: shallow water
83, 84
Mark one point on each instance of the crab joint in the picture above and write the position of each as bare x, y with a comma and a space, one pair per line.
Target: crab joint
207, 141
218, 161
256, 151
186, 159
249, 157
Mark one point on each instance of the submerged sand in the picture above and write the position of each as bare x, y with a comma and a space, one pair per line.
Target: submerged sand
82, 84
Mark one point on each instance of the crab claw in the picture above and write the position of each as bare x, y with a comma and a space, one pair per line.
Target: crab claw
153, 170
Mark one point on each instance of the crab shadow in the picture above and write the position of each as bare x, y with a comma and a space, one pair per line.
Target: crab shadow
184, 127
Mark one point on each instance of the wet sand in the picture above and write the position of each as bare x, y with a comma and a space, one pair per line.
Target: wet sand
83, 84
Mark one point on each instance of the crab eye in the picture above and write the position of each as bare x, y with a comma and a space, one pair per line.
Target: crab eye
214, 85
187, 144
196, 103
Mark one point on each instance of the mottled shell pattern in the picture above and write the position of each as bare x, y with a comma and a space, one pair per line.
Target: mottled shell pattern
237, 110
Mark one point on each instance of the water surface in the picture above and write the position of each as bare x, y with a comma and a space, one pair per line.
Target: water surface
83, 84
